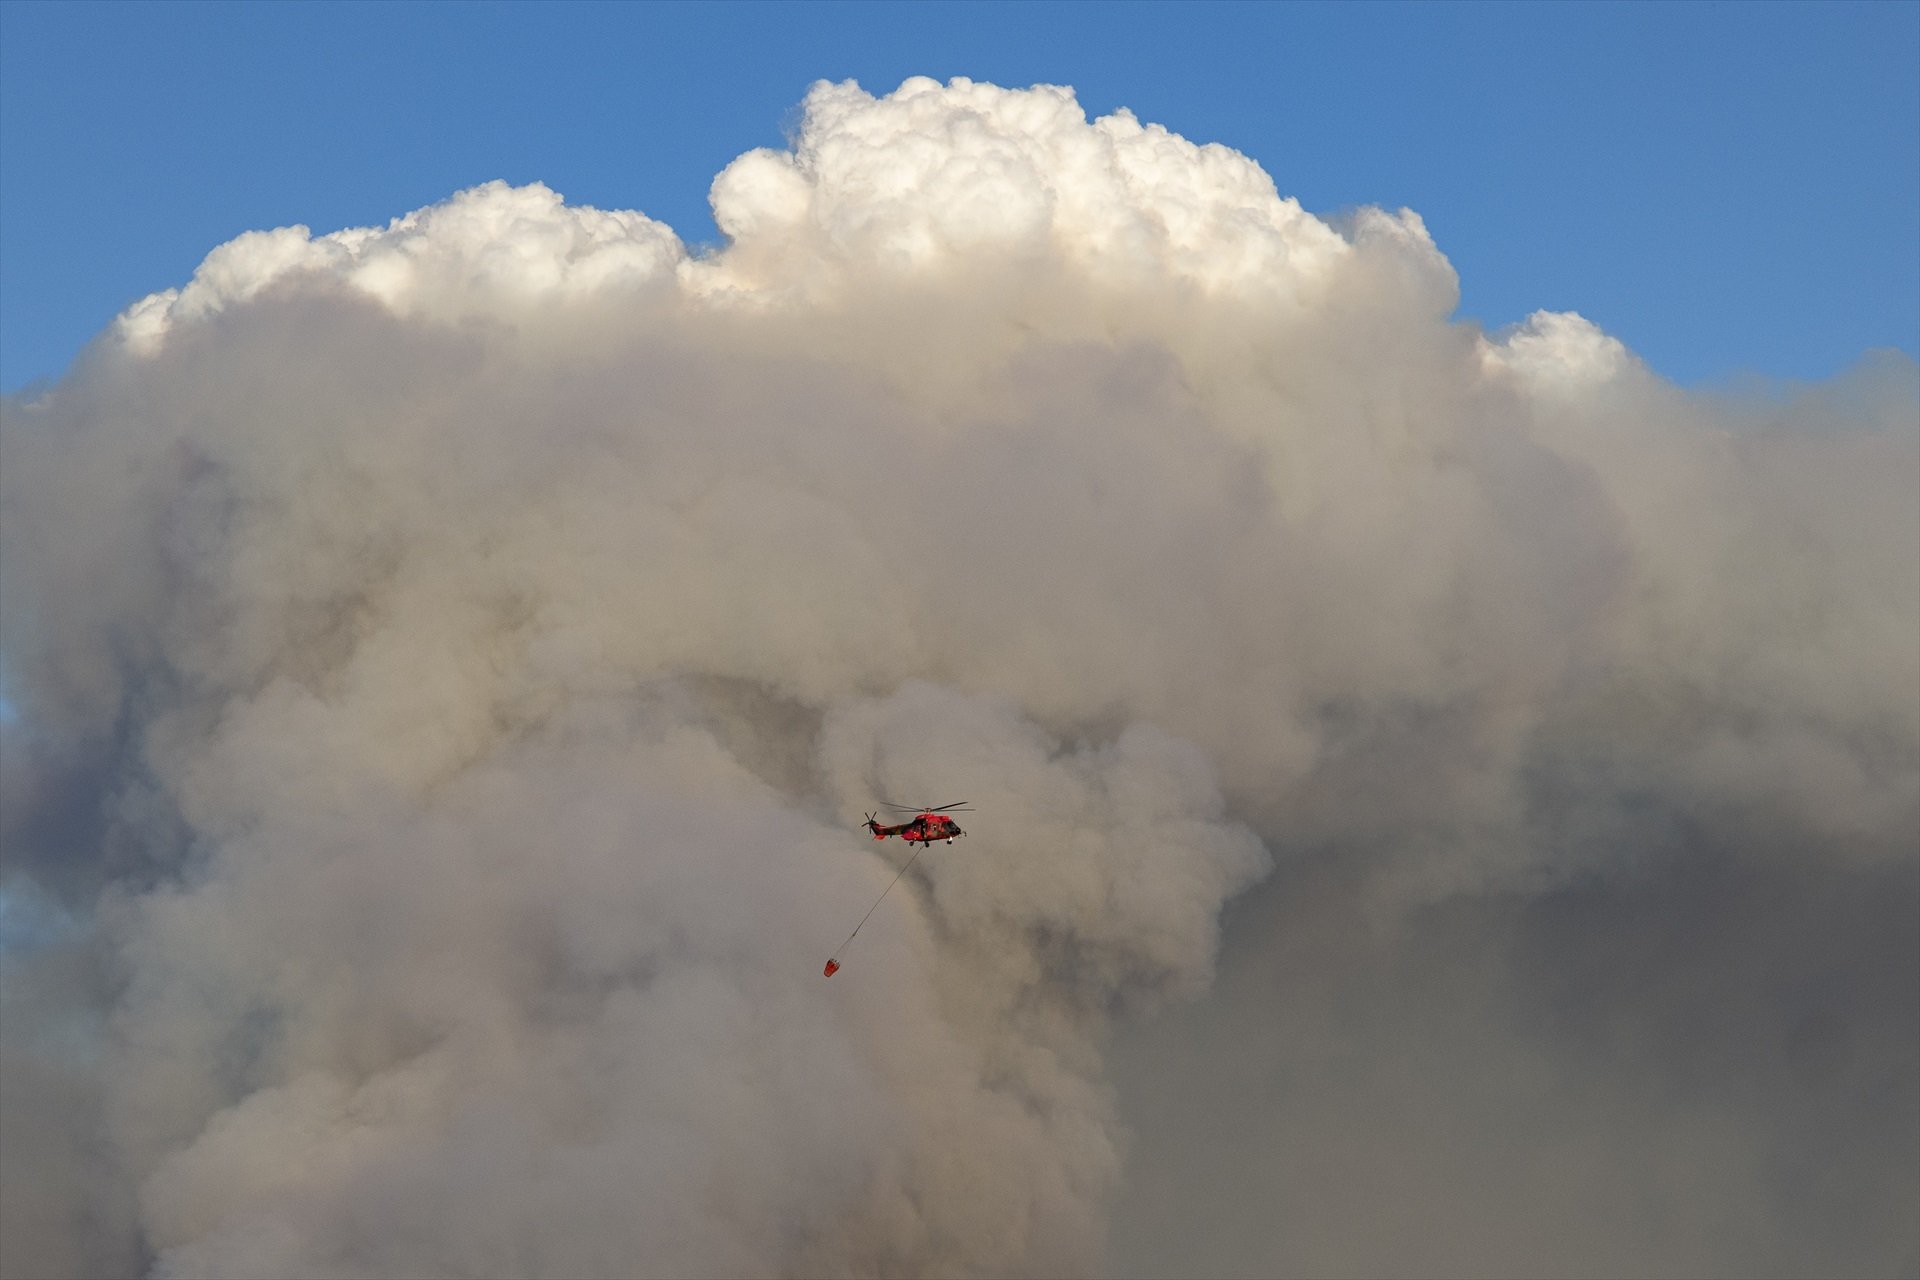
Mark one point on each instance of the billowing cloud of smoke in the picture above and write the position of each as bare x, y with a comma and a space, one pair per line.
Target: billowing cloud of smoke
450, 660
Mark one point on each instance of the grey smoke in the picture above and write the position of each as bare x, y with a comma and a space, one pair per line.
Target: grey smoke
451, 661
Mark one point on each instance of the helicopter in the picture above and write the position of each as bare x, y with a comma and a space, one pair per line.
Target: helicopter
928, 825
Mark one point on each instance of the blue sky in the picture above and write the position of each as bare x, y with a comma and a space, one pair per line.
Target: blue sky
1728, 188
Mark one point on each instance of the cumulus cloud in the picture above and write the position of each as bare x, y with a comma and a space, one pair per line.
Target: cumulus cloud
451, 660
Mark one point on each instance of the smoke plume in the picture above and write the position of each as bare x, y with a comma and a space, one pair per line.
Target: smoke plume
451, 660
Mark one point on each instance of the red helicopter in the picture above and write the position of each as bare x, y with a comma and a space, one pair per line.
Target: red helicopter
927, 826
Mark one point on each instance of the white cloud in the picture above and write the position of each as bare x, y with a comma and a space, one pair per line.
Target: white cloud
452, 658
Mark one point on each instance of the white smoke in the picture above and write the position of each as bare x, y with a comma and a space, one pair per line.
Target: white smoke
453, 660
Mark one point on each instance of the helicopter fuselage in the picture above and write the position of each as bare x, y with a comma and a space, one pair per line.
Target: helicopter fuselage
924, 829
